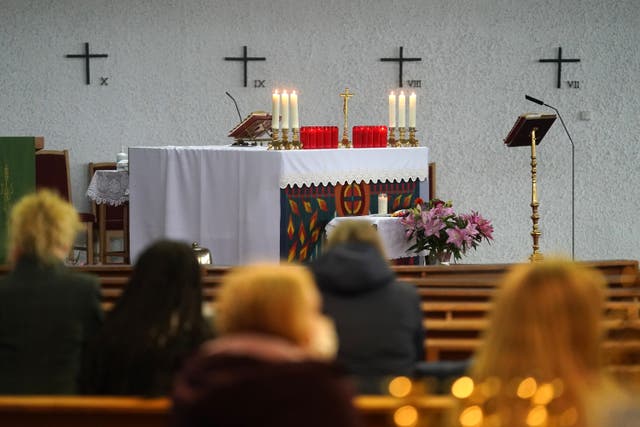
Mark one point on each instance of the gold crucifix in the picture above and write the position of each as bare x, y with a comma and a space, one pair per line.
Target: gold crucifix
345, 143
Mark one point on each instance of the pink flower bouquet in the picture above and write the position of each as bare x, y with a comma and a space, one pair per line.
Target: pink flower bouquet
437, 229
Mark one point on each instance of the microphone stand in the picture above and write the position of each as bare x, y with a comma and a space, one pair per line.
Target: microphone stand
573, 177
234, 101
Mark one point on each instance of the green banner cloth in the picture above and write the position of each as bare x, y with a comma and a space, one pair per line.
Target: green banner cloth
17, 178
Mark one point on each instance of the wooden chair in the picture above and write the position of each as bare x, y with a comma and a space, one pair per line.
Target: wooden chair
112, 222
52, 172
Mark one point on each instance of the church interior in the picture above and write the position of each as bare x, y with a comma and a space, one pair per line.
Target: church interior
478, 139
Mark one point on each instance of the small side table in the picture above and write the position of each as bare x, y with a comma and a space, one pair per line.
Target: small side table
390, 229
111, 187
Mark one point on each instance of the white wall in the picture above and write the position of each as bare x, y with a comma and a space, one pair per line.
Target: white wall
167, 79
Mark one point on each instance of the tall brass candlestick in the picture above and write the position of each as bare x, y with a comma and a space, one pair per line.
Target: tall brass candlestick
413, 142
535, 216
345, 143
285, 140
274, 144
392, 141
403, 139
295, 144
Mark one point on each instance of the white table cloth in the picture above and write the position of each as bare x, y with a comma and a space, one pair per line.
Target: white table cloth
110, 187
228, 198
390, 229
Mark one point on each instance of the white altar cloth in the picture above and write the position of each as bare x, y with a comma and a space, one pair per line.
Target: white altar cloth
228, 198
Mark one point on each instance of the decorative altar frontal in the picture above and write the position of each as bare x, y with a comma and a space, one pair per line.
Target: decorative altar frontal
253, 204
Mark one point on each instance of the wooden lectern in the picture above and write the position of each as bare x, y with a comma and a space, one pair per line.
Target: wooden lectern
17, 177
529, 130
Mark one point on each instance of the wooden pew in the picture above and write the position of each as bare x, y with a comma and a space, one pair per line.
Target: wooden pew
74, 411
456, 300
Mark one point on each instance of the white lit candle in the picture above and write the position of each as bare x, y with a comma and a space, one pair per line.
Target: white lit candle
295, 124
392, 110
412, 110
284, 99
382, 204
275, 110
402, 110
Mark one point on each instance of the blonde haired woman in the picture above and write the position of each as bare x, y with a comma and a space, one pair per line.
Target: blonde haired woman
546, 326
268, 365
47, 313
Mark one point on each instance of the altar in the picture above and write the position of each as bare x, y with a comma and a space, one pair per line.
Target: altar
253, 204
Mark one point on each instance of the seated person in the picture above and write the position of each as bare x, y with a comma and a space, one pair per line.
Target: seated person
154, 325
267, 367
546, 326
378, 319
47, 312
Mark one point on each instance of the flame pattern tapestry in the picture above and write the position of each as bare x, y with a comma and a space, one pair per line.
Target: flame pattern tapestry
306, 210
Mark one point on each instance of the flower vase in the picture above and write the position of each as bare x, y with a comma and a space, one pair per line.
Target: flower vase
438, 258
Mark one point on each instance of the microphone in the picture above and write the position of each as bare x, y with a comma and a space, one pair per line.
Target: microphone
532, 99
573, 175
234, 101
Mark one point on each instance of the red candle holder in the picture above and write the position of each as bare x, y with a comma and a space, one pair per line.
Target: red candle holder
369, 136
313, 137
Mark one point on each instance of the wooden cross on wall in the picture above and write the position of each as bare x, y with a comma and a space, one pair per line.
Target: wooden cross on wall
400, 60
87, 56
244, 58
559, 61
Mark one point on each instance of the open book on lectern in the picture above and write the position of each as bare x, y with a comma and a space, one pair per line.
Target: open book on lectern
520, 134
252, 127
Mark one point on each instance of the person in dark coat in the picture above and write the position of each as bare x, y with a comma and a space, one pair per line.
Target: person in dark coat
269, 366
157, 322
47, 313
378, 319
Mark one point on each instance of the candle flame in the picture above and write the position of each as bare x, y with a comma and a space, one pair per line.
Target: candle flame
275, 92
413, 94
293, 92
392, 93
284, 92
402, 92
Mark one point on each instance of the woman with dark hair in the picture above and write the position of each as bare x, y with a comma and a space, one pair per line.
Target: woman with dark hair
155, 324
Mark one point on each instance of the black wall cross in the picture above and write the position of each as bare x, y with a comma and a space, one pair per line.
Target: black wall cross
244, 58
87, 56
560, 61
400, 60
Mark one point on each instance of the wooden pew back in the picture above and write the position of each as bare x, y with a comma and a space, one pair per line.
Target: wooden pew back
456, 300
73, 411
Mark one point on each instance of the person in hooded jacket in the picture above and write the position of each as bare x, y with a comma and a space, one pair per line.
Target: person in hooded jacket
377, 318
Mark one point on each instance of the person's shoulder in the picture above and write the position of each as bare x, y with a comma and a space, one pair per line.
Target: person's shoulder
78, 281
404, 288
3, 284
